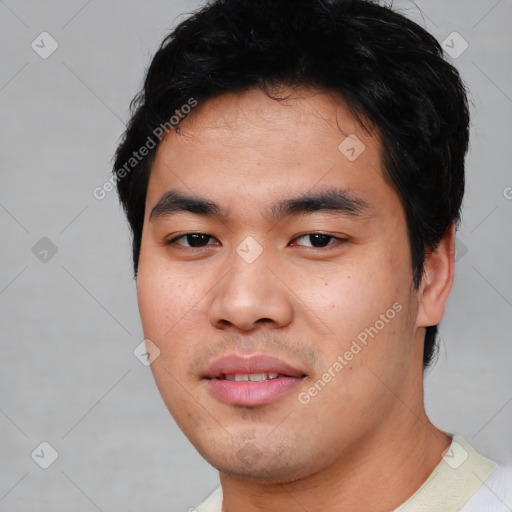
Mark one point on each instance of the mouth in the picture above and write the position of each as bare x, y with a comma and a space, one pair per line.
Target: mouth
252, 381
251, 377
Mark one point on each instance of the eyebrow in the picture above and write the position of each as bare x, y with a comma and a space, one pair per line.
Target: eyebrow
175, 202
333, 200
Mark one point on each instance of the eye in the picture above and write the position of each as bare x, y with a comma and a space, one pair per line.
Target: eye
318, 240
192, 240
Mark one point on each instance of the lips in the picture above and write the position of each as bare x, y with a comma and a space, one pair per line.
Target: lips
251, 381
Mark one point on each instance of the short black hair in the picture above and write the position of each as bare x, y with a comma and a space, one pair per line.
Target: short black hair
390, 71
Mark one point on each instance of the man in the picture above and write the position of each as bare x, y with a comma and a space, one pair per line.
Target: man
293, 175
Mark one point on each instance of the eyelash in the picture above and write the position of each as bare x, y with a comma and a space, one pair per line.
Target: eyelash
336, 239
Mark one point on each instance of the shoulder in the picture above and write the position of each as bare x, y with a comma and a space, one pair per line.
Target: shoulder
495, 494
501, 479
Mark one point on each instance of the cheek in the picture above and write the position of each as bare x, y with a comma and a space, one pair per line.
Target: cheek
367, 306
168, 302
169, 312
351, 298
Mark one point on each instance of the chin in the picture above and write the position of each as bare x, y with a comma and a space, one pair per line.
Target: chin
250, 463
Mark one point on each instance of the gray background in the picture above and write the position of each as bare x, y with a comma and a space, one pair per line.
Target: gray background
69, 324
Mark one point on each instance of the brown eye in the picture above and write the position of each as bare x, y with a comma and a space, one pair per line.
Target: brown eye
317, 240
192, 240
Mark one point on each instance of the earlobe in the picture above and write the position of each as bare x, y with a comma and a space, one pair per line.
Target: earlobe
437, 281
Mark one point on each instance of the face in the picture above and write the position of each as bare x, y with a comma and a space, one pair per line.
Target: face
275, 280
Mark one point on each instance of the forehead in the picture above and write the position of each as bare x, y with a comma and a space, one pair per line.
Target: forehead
248, 146
281, 119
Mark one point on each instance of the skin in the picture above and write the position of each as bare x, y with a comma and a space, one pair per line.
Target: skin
364, 440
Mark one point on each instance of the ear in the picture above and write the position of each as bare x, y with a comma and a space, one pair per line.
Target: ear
437, 281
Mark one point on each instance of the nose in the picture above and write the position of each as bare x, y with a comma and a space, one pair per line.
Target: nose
250, 296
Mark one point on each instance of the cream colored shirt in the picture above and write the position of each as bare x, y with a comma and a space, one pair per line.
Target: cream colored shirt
463, 481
